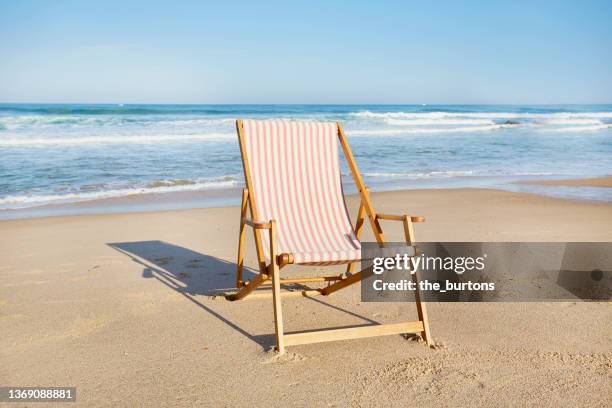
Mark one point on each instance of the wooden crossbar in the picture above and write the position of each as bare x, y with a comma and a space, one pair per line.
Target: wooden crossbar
349, 333
308, 279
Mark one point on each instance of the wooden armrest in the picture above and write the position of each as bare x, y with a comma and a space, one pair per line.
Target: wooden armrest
391, 217
257, 225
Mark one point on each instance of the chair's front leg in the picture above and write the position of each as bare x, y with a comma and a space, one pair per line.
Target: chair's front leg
276, 295
408, 230
421, 308
241, 235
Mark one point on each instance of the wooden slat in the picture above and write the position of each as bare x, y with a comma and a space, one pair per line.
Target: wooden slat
319, 336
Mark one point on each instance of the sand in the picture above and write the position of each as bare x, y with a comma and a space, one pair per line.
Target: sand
119, 306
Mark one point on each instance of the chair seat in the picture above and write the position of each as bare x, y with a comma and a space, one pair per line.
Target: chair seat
327, 258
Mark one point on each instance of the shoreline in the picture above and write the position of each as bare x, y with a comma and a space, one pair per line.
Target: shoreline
564, 189
481, 201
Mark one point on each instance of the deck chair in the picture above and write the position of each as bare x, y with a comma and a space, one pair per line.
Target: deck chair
298, 215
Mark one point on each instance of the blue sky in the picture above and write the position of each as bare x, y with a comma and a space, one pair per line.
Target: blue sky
306, 52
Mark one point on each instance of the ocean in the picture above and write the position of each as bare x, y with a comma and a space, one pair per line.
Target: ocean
58, 154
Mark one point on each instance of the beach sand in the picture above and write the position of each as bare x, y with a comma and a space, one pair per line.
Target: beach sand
119, 306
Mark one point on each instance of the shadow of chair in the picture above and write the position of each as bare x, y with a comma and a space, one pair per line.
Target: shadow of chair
193, 274
188, 272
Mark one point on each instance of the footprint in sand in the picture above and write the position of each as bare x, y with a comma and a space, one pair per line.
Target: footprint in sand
163, 261
194, 263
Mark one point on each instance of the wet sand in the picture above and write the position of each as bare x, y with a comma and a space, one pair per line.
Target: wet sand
588, 182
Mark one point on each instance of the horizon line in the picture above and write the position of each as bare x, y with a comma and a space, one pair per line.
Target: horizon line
306, 104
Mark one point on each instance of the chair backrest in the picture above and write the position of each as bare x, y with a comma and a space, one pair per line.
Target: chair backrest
293, 175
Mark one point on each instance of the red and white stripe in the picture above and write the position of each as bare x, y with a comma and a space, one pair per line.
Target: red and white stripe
295, 171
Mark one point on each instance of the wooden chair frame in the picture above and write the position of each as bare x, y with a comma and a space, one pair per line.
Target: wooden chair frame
271, 271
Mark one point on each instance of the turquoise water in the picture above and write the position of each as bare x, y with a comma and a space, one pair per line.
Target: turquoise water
54, 154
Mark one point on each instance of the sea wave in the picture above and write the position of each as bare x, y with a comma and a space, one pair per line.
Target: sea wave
426, 122
27, 121
570, 122
160, 186
143, 139
120, 109
387, 132
46, 121
452, 173
431, 174
501, 115
574, 129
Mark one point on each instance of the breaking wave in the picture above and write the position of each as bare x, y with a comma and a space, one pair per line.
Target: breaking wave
463, 129
431, 174
158, 186
501, 115
145, 139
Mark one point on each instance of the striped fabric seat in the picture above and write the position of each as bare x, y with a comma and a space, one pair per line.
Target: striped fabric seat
295, 173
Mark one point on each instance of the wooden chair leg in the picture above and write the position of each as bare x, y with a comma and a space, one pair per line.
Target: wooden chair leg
248, 287
241, 235
420, 305
422, 312
276, 295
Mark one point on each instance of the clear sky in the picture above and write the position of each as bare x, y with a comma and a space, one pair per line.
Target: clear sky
306, 52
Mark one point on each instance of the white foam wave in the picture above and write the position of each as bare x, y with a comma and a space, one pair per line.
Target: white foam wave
426, 122
38, 121
492, 115
24, 201
456, 173
577, 129
464, 129
144, 139
46, 121
571, 122
195, 121
421, 175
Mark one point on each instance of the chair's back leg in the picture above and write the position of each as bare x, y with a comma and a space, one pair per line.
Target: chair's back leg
241, 234
358, 228
361, 188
